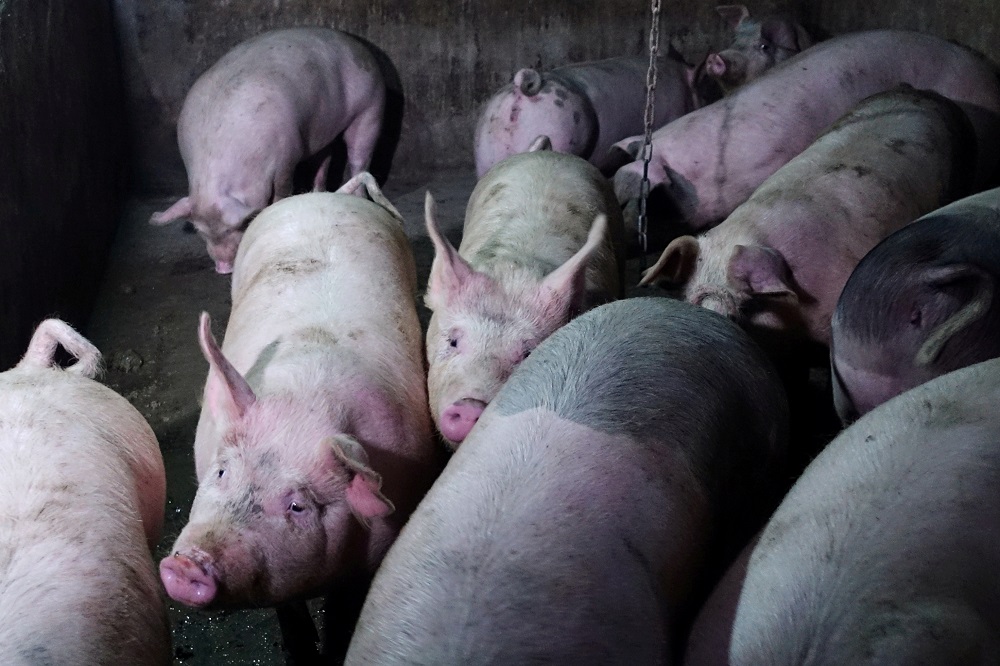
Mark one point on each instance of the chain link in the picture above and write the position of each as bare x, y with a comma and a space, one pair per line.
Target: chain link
647, 145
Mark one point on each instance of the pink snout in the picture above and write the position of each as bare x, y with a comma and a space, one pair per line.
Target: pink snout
715, 65
187, 581
223, 267
458, 419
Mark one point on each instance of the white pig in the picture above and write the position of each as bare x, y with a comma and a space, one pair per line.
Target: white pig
265, 106
576, 520
541, 243
81, 504
886, 550
314, 426
779, 262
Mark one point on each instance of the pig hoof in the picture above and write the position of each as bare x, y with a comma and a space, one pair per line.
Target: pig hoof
187, 581
458, 419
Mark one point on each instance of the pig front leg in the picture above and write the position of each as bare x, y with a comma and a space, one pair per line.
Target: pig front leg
361, 136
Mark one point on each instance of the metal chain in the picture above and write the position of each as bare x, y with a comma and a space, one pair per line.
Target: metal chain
647, 146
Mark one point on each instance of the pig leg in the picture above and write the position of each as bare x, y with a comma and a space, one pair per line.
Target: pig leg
282, 186
361, 136
298, 633
319, 182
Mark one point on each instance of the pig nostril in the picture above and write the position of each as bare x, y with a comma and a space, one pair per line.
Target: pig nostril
458, 419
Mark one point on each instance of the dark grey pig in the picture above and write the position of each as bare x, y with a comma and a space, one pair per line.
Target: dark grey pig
922, 303
758, 45
573, 522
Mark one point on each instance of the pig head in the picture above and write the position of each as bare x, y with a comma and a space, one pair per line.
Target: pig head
914, 324
220, 222
747, 282
285, 504
758, 46
483, 326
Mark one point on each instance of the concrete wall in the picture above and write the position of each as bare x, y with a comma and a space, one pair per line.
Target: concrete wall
452, 55
62, 155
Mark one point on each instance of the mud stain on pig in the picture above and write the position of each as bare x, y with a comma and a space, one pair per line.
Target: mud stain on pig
37, 655
281, 269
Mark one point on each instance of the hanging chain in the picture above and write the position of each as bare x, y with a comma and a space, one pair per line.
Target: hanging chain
647, 146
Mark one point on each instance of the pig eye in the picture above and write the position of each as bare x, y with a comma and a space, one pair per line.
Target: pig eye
295, 507
454, 335
222, 473
765, 47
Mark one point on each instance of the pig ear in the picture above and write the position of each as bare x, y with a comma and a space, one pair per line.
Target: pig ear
562, 291
979, 284
180, 209
675, 265
227, 393
449, 270
760, 271
364, 494
235, 213
733, 15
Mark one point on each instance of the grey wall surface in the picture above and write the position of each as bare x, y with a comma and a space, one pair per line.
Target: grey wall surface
452, 55
62, 151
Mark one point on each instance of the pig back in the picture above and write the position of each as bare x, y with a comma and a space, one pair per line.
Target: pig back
886, 550
599, 439
535, 209
82, 496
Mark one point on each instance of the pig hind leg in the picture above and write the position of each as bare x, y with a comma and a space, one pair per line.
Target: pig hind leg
361, 136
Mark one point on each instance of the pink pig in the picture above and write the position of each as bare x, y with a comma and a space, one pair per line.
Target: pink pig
710, 161
268, 104
314, 442
82, 489
583, 108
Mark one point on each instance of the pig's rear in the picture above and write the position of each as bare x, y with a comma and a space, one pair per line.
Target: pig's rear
573, 523
81, 492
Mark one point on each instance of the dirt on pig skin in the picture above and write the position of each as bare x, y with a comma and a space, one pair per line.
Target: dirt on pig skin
145, 324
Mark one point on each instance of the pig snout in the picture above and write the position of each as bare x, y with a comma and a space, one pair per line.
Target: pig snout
223, 267
715, 65
187, 581
457, 420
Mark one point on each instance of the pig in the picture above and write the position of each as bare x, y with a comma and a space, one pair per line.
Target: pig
922, 303
314, 442
541, 243
585, 107
574, 522
886, 550
82, 492
710, 161
778, 263
758, 46
267, 105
